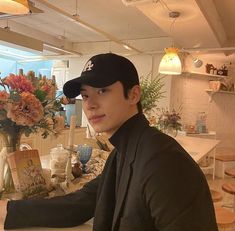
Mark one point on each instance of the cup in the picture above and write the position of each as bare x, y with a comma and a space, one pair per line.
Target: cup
84, 152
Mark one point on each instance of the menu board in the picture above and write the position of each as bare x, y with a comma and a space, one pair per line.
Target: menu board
27, 173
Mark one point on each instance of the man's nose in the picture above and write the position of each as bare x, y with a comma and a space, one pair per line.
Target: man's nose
91, 103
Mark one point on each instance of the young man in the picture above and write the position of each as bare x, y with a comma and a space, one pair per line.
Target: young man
149, 182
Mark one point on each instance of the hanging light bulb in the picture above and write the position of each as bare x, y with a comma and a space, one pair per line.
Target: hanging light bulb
14, 6
170, 63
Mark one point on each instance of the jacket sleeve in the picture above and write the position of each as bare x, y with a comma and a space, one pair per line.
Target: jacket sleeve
177, 195
63, 211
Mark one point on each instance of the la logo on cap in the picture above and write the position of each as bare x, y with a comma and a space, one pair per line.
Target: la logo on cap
88, 66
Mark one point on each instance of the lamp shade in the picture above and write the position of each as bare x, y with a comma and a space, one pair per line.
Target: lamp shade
14, 6
170, 63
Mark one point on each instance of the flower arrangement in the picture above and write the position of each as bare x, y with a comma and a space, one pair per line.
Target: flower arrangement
27, 106
169, 120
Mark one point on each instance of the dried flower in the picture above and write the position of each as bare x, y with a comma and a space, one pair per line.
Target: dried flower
169, 120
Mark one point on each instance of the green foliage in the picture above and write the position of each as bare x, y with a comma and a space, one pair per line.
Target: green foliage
41, 95
151, 92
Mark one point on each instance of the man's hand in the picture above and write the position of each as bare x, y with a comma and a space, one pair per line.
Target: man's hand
3, 212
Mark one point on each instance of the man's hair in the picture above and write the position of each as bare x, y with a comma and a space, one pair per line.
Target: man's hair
126, 90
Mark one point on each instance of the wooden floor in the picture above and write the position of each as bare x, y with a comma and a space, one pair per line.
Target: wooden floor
228, 199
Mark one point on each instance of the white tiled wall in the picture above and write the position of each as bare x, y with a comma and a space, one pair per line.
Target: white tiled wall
188, 91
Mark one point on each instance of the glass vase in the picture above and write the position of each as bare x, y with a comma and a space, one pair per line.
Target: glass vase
172, 132
10, 143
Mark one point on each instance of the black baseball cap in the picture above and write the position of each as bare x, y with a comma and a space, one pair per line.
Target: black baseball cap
101, 71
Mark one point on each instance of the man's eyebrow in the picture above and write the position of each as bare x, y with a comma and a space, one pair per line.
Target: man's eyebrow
82, 89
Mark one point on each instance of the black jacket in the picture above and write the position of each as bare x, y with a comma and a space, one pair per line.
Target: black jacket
161, 188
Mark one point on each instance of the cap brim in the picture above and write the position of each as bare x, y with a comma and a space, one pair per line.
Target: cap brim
72, 87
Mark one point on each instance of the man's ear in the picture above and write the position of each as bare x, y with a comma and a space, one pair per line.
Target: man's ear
135, 94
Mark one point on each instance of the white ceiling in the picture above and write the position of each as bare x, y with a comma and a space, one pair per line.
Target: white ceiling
92, 26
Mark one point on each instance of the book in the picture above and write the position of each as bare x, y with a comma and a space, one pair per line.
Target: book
27, 173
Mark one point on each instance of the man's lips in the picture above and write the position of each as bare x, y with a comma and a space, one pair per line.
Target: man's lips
95, 118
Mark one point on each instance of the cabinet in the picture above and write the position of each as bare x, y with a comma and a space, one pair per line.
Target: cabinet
208, 163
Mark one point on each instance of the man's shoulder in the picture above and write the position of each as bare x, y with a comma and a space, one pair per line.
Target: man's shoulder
155, 136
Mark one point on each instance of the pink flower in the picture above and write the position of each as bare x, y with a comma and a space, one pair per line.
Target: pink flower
4, 96
46, 88
27, 112
19, 83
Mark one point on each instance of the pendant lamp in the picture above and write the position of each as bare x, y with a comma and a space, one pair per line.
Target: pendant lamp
170, 63
14, 6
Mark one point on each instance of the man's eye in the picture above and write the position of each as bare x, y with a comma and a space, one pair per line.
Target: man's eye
101, 91
84, 97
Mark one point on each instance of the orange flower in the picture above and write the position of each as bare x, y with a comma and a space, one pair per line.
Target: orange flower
27, 112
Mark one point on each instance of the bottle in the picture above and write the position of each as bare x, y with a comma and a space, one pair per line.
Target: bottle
201, 122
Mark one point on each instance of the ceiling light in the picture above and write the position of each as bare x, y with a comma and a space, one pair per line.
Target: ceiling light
170, 63
14, 6
136, 2
127, 47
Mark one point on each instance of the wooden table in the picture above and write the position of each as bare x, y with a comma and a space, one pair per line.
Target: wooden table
84, 227
198, 148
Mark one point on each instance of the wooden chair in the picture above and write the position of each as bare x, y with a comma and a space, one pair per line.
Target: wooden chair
225, 219
225, 158
229, 188
216, 196
230, 172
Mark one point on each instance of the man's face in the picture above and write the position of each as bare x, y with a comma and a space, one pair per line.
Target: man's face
106, 108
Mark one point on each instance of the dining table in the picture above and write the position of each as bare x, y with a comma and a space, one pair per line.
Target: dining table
198, 148
84, 227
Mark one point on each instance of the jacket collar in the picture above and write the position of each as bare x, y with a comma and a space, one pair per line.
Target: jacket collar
128, 134
124, 134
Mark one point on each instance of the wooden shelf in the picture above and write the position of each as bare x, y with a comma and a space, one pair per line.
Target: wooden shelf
211, 93
215, 92
205, 74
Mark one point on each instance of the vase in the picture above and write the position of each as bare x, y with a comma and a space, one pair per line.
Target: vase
172, 132
10, 143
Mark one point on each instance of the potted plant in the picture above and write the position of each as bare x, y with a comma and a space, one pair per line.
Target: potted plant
151, 92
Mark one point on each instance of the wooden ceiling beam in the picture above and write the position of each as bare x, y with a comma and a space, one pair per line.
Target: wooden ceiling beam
20, 40
87, 25
210, 13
